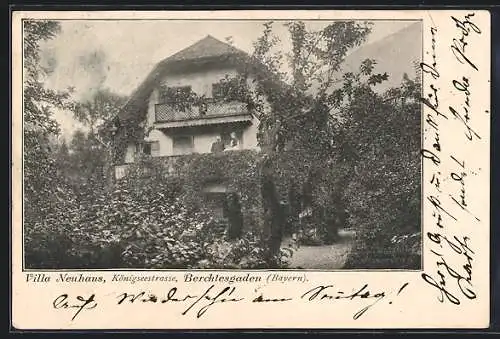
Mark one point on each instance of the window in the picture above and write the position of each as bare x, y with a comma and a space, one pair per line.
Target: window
218, 91
152, 148
216, 202
149, 148
175, 95
227, 90
183, 144
215, 198
155, 147
146, 148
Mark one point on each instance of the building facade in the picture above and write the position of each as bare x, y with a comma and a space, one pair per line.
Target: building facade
190, 104
194, 111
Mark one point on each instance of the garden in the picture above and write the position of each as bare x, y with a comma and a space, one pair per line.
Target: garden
341, 156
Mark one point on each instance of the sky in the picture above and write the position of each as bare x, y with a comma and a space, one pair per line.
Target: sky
88, 55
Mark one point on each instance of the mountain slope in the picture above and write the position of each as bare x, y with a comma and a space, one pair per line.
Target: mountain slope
395, 54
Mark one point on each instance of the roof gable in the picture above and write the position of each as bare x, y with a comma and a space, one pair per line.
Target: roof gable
207, 47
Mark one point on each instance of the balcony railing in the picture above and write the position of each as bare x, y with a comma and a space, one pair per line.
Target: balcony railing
166, 112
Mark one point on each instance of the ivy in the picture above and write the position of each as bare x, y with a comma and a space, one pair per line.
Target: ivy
361, 163
238, 171
150, 220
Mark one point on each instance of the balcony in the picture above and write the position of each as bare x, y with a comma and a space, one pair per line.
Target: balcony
215, 112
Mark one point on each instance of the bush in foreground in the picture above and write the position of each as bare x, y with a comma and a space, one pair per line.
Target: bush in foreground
141, 224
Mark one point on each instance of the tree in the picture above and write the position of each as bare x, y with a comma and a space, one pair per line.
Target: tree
353, 153
47, 196
42, 188
384, 191
95, 154
83, 166
293, 99
103, 106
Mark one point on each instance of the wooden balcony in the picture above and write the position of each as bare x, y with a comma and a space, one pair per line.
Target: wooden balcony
213, 112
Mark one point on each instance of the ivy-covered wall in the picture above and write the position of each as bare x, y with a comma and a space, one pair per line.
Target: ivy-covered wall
238, 171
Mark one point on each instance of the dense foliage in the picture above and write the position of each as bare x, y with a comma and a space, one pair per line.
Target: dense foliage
335, 154
349, 156
384, 190
144, 222
43, 189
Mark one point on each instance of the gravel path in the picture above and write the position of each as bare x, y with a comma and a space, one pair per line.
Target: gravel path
323, 257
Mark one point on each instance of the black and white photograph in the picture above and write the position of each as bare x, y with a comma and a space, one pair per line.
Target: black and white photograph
175, 144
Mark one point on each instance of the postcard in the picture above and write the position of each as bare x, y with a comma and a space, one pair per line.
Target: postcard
282, 169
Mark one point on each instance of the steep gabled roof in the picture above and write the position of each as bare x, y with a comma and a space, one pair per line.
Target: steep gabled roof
208, 48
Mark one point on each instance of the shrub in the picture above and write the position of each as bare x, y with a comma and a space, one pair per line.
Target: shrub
384, 192
143, 223
375, 249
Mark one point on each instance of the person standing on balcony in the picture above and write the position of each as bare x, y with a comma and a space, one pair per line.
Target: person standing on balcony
203, 108
218, 145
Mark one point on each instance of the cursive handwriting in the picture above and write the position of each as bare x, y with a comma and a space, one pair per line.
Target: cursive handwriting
463, 86
444, 270
460, 176
323, 292
200, 304
431, 100
432, 67
453, 281
458, 47
204, 301
212, 300
80, 304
